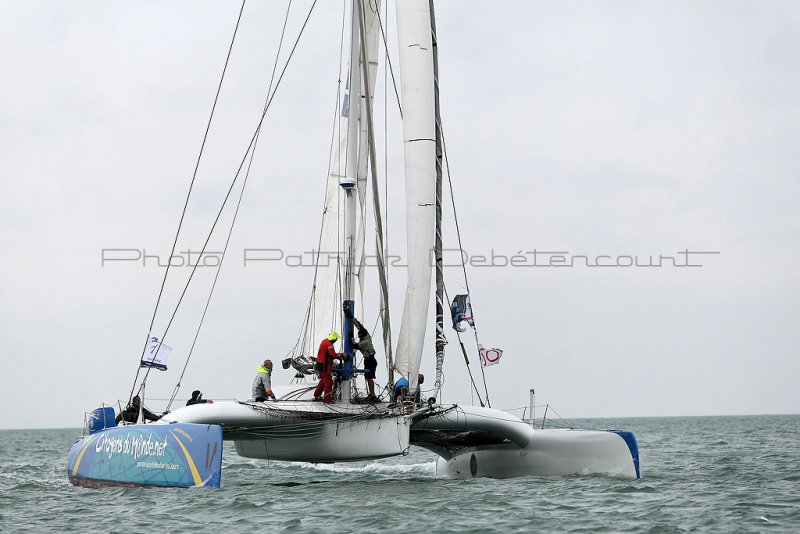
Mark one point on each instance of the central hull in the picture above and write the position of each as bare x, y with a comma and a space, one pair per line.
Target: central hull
329, 441
304, 431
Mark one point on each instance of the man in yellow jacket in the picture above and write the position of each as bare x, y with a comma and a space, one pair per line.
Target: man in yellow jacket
262, 384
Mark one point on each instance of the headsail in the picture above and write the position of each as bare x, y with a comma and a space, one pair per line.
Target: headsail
419, 141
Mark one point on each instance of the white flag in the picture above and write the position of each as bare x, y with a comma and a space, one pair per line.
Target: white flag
155, 359
489, 356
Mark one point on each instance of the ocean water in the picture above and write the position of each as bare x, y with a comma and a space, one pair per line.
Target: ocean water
699, 474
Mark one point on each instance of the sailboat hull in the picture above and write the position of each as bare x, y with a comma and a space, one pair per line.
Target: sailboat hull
331, 441
549, 452
476, 441
304, 431
177, 455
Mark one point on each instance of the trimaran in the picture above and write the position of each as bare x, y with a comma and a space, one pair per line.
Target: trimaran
184, 447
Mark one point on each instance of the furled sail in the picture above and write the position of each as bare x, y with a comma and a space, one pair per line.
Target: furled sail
419, 142
324, 313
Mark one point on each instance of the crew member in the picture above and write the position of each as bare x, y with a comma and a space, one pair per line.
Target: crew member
131, 412
325, 356
364, 344
262, 383
197, 398
401, 388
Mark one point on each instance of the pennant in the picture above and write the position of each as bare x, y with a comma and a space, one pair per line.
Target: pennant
155, 359
489, 356
461, 310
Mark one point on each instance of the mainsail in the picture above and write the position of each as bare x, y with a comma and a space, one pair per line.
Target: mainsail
419, 142
330, 257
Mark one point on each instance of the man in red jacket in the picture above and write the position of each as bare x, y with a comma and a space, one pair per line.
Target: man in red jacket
325, 356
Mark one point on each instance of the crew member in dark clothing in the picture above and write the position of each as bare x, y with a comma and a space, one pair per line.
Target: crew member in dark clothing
131, 413
197, 398
364, 344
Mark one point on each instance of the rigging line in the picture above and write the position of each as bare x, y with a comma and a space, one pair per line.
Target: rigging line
461, 248
559, 416
189, 193
235, 215
233, 183
469, 370
375, 326
389, 61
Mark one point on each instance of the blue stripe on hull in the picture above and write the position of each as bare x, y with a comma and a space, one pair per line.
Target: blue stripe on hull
630, 440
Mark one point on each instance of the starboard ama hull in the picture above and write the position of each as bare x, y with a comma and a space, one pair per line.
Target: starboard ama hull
549, 452
475, 441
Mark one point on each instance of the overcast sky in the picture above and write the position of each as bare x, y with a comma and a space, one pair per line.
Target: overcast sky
613, 130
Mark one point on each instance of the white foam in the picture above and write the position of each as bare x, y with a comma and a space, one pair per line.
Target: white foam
372, 468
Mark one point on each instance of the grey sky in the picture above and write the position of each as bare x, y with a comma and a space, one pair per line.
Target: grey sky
611, 129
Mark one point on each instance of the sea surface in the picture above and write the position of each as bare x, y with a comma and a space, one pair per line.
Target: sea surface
699, 474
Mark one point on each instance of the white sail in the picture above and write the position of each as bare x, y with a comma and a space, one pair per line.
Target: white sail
416, 68
325, 308
372, 25
330, 258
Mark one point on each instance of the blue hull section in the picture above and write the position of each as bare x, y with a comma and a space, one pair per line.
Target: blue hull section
176, 455
630, 440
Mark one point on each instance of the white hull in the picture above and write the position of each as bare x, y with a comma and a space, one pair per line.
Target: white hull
304, 431
481, 442
333, 441
550, 452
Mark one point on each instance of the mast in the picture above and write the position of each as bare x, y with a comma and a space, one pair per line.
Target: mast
368, 72
348, 184
441, 341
